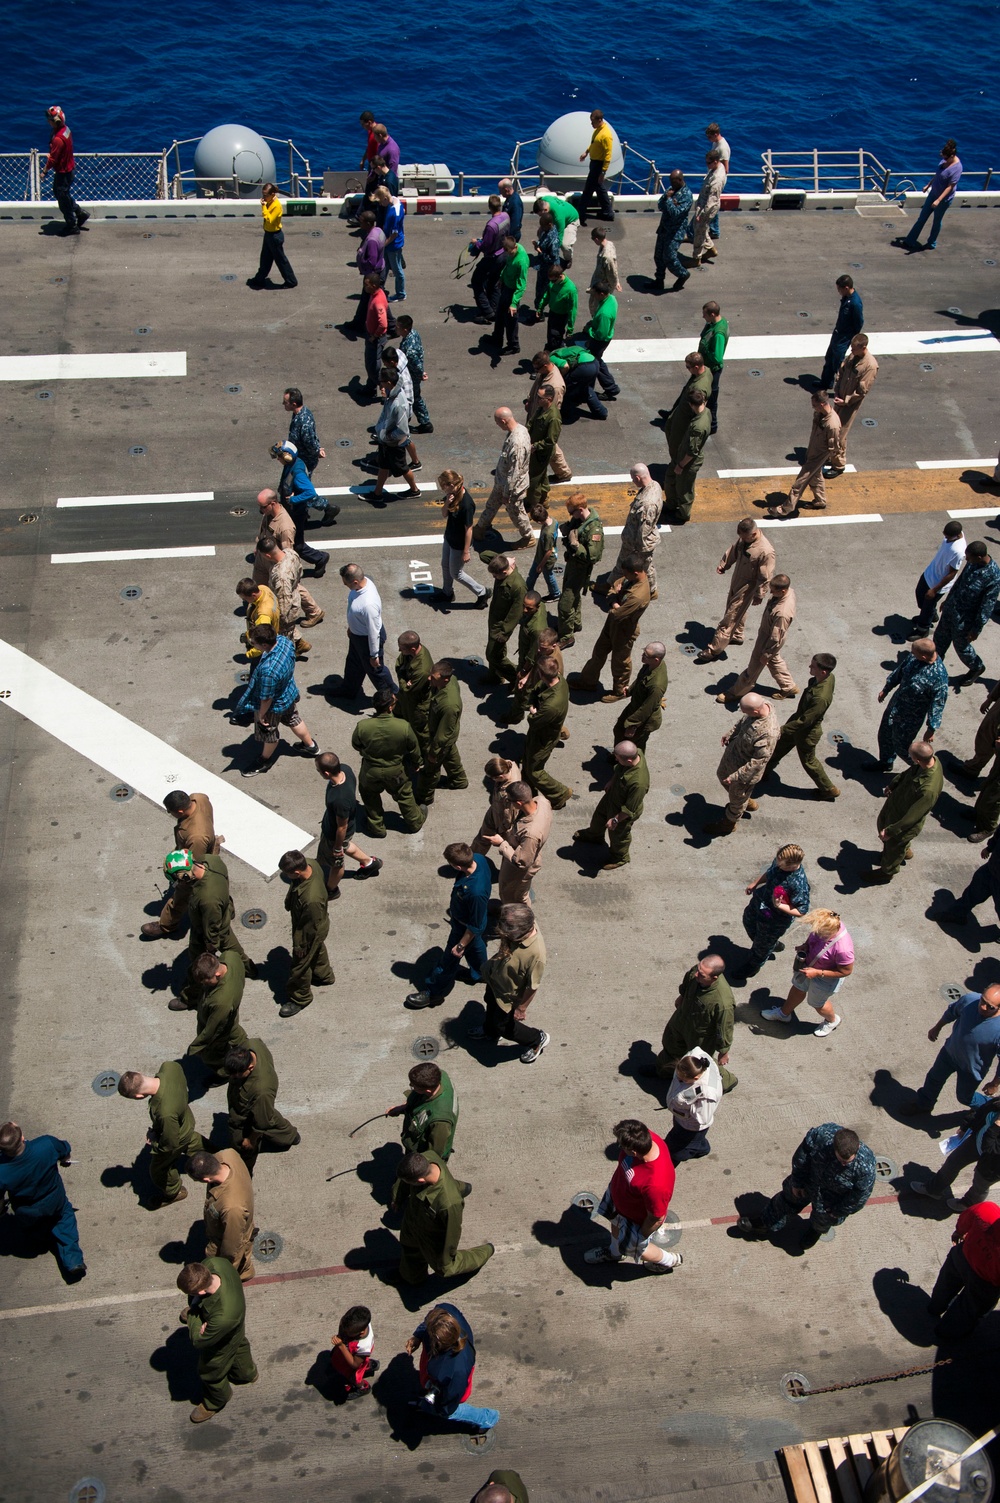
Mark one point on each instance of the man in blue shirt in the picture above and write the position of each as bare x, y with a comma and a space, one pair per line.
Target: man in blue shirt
850, 321
468, 913
272, 697
940, 195
970, 1048
30, 1181
297, 492
513, 206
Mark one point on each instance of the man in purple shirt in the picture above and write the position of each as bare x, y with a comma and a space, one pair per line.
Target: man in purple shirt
489, 249
940, 193
370, 261
387, 148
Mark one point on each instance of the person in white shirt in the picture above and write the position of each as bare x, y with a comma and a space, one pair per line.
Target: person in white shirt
938, 578
718, 142
366, 639
692, 1097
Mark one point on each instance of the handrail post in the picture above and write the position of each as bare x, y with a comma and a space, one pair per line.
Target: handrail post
989, 175
815, 170
861, 169
885, 181
34, 185
461, 185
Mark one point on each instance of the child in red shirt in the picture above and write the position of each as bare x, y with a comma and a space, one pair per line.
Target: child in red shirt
352, 1351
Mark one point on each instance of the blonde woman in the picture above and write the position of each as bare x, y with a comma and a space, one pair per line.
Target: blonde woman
458, 509
822, 963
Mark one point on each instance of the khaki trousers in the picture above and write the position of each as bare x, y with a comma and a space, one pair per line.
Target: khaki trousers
730, 628
762, 657
839, 458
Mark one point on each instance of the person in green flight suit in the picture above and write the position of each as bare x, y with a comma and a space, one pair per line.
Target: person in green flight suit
909, 800
215, 1316
619, 806
804, 729
533, 622
442, 734
253, 1086
218, 982
544, 429
704, 1017
172, 1135
430, 1117
432, 1222
688, 434
211, 911
502, 1487
583, 545
546, 718
644, 712
384, 742
413, 671
308, 904
506, 606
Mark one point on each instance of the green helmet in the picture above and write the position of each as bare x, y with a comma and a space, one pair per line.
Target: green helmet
176, 863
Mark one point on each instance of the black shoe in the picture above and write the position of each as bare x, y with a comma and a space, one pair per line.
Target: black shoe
296, 1140
331, 513
251, 969
750, 1230
809, 1238
484, 599
74, 1275
81, 218
253, 282
681, 282
464, 1188
319, 569
418, 465
290, 1010
658, 284
372, 869
424, 428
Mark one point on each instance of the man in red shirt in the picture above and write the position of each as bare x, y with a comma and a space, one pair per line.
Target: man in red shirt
968, 1286
376, 330
62, 163
637, 1200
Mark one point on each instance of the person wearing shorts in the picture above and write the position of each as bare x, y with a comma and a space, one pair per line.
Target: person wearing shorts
637, 1200
822, 964
272, 697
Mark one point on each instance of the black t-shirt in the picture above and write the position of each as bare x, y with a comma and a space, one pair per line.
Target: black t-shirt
341, 803
459, 522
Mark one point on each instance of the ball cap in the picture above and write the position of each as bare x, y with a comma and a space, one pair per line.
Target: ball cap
284, 448
178, 862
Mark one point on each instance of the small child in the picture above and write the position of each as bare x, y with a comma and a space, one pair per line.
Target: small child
545, 551
412, 347
352, 1351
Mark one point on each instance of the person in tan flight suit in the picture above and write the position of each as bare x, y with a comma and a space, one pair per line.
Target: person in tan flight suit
824, 445
751, 559
855, 380
501, 816
229, 1224
277, 522
747, 749
547, 374
194, 831
521, 848
775, 621
618, 634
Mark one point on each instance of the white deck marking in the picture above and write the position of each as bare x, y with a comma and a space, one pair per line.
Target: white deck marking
93, 367
974, 511
806, 346
162, 499
99, 1302
763, 472
871, 516
253, 833
122, 555
365, 488
953, 464
625, 479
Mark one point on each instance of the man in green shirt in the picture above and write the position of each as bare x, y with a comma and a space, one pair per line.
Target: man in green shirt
644, 712
712, 348
172, 1135
413, 670
217, 982
513, 976
384, 743
430, 1116
698, 377
597, 335
559, 302
704, 1017
583, 544
805, 727
544, 429
509, 590
308, 904
689, 436
546, 717
910, 798
567, 222
442, 734
215, 1315
579, 370
432, 1222
620, 805
211, 911
253, 1086
513, 281
502, 1487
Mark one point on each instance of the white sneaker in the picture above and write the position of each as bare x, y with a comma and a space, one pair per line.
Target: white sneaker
825, 1028
775, 1015
600, 1255
530, 1055
667, 1263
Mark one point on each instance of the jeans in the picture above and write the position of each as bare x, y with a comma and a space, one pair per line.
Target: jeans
836, 350
926, 211
594, 187
555, 331
943, 1068
357, 666
452, 569
549, 574
580, 388
441, 980
373, 357
394, 263
605, 379
62, 187
272, 253
61, 1227
308, 555
947, 636
471, 1414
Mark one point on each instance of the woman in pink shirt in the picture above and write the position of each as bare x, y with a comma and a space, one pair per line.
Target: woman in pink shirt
821, 965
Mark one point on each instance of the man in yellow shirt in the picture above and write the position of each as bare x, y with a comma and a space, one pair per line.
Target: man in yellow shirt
262, 610
599, 152
272, 251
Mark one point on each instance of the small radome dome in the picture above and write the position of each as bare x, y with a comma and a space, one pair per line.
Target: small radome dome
231, 151
560, 147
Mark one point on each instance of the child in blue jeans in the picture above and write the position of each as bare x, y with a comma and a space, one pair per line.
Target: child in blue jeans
545, 551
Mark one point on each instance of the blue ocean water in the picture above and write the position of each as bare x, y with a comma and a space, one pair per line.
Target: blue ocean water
460, 82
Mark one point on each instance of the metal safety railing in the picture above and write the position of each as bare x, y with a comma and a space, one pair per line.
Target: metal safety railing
650, 183
97, 175
859, 171
299, 182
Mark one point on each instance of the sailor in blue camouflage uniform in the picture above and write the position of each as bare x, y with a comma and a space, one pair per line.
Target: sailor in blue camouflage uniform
778, 896
967, 608
833, 1172
921, 684
675, 208
302, 429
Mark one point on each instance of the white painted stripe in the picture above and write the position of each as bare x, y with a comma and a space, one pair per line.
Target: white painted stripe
764, 472
974, 511
253, 833
953, 464
99, 1302
871, 516
123, 554
92, 367
163, 499
425, 540
365, 488
596, 480
806, 346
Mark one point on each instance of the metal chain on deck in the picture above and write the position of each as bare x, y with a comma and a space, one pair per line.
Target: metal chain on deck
796, 1390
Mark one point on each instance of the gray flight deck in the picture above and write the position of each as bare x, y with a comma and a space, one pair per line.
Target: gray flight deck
614, 1388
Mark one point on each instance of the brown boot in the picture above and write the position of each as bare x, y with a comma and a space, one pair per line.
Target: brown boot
752, 805
200, 1414
155, 930
721, 826
706, 656
160, 1203
314, 620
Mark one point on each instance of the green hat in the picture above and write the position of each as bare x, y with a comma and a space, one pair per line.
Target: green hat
177, 862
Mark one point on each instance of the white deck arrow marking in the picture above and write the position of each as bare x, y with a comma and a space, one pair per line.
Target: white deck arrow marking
92, 367
926, 342
253, 832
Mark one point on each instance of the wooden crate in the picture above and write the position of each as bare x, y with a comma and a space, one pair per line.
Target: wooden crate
835, 1470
